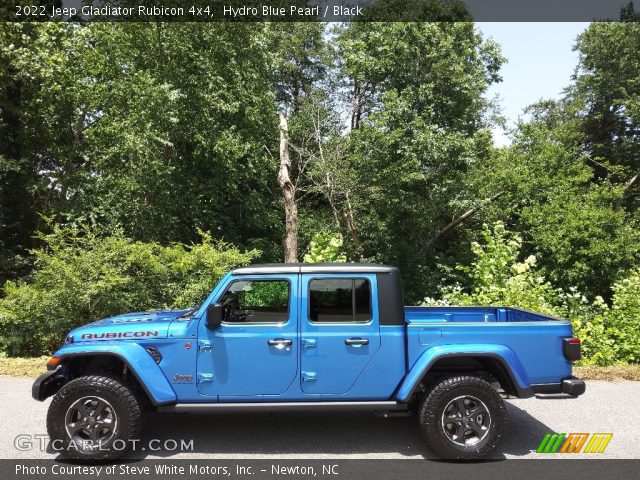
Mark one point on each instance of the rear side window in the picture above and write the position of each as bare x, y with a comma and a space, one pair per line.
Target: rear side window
339, 300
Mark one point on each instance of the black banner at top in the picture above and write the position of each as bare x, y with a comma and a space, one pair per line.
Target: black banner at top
320, 10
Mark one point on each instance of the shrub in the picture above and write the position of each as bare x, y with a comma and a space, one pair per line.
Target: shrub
609, 335
498, 278
80, 276
589, 321
623, 319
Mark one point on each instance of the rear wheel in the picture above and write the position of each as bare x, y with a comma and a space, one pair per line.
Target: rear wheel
93, 417
462, 417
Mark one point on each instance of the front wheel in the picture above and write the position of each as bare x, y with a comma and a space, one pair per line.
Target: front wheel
462, 417
93, 418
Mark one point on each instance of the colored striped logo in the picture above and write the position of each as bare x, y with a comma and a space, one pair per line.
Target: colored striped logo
574, 443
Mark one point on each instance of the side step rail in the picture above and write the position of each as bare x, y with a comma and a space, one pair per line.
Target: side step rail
281, 406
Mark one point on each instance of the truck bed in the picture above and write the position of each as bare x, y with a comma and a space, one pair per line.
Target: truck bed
472, 314
533, 338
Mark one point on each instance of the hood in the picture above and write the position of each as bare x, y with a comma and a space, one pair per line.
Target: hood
128, 326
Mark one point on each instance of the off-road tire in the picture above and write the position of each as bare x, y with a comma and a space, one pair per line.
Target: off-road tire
441, 403
79, 395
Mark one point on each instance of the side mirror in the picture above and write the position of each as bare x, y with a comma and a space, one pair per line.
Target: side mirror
214, 316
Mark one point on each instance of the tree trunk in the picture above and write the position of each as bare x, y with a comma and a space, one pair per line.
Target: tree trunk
351, 222
69, 166
627, 187
290, 241
462, 218
356, 107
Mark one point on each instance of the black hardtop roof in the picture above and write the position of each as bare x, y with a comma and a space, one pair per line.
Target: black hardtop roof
266, 268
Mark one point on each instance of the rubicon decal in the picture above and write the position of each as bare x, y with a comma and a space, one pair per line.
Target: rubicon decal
105, 335
574, 443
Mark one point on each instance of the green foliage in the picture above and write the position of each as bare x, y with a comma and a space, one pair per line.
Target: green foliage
270, 294
570, 176
607, 88
624, 318
80, 277
609, 335
572, 225
325, 247
417, 127
299, 60
155, 131
498, 278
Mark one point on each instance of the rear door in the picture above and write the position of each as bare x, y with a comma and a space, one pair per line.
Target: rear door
339, 330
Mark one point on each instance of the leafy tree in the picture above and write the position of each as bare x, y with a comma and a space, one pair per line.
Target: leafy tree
156, 128
266, 294
623, 320
607, 94
570, 179
29, 135
298, 68
569, 222
416, 10
417, 117
81, 276
500, 277
325, 247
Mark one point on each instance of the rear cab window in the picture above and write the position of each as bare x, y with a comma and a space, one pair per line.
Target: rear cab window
339, 300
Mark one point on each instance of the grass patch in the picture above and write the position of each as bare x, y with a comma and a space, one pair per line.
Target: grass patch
615, 372
23, 367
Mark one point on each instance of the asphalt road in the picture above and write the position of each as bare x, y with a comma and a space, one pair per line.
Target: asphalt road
605, 407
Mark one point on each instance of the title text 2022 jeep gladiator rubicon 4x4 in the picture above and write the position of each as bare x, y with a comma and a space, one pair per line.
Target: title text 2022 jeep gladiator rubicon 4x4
304, 336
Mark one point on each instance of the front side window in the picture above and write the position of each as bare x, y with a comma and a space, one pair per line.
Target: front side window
256, 301
339, 300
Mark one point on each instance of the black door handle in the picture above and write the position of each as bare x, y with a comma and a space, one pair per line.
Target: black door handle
357, 341
280, 342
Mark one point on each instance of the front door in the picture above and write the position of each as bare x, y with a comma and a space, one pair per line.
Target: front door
255, 349
339, 331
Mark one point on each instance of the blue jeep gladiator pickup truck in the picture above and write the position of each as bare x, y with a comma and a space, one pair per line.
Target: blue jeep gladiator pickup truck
304, 336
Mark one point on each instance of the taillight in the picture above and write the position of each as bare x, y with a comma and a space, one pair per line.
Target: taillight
571, 349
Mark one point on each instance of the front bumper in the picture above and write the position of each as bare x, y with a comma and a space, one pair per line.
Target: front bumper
571, 386
47, 384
